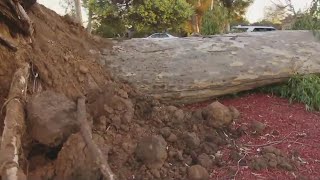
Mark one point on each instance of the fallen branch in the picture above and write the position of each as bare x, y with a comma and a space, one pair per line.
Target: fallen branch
270, 143
14, 126
94, 150
238, 166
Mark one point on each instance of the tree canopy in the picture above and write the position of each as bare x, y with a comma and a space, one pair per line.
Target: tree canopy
115, 17
159, 15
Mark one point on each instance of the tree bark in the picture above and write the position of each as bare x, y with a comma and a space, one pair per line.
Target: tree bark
77, 4
89, 26
188, 70
14, 126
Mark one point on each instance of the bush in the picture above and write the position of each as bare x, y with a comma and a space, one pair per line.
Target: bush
306, 22
300, 88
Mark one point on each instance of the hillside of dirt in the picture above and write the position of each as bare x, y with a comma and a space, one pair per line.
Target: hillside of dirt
141, 138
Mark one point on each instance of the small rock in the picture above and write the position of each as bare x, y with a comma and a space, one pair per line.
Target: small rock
258, 127
165, 132
192, 140
217, 115
197, 172
205, 160
152, 151
83, 69
172, 138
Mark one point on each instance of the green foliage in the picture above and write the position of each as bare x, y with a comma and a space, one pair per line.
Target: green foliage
305, 89
214, 21
239, 9
109, 27
159, 15
306, 22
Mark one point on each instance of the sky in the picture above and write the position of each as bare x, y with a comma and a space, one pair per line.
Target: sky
254, 13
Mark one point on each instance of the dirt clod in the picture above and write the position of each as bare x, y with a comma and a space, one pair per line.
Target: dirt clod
51, 118
165, 132
217, 115
197, 172
205, 160
257, 127
172, 138
152, 151
192, 140
83, 69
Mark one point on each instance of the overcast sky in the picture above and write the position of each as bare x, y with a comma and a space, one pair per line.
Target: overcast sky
255, 12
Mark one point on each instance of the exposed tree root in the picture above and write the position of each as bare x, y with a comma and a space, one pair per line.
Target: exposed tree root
94, 150
14, 127
5, 42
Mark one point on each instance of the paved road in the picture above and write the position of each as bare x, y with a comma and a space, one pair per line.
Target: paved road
187, 70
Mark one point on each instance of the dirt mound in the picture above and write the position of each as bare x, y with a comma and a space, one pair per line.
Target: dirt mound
142, 138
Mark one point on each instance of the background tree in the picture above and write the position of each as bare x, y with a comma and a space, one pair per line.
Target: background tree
77, 5
214, 20
159, 15
236, 10
275, 14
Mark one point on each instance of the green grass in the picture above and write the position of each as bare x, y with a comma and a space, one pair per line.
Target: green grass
300, 88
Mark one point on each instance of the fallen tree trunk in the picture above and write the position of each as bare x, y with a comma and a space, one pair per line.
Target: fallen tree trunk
188, 70
14, 126
93, 148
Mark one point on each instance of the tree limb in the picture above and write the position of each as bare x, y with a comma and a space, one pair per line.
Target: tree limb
94, 150
14, 127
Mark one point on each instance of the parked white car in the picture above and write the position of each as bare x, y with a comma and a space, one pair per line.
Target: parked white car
252, 28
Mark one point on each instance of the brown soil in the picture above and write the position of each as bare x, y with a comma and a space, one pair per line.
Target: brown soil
185, 144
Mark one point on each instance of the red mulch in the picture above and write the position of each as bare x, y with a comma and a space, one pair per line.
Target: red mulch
285, 119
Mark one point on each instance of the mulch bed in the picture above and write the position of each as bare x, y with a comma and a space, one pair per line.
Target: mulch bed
296, 130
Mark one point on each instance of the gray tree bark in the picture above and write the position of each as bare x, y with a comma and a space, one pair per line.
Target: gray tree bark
77, 4
187, 70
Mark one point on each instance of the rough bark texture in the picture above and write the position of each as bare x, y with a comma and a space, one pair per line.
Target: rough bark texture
77, 4
14, 127
186, 70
